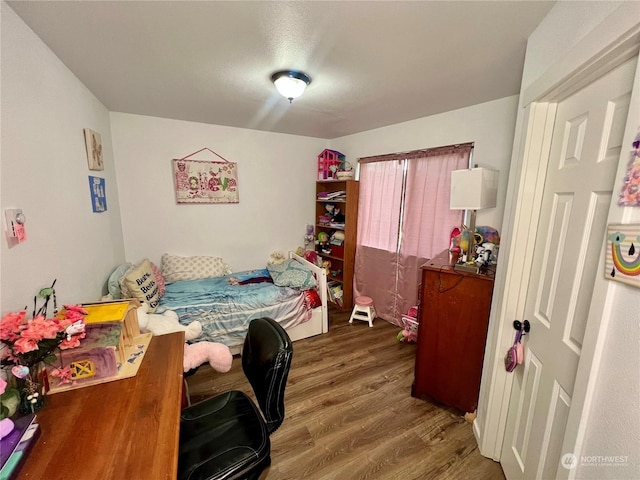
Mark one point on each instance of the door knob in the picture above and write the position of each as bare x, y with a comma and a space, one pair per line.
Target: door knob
519, 325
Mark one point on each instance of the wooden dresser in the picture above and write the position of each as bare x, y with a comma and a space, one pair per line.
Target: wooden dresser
454, 315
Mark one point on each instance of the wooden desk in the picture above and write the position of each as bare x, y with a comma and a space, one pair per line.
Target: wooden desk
125, 429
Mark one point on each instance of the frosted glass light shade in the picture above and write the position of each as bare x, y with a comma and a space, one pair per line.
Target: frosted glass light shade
290, 83
473, 189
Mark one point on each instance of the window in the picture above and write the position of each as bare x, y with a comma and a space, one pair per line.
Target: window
403, 219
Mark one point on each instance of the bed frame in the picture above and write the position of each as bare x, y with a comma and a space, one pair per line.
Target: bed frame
319, 321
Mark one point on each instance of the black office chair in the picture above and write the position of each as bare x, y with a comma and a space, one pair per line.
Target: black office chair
226, 437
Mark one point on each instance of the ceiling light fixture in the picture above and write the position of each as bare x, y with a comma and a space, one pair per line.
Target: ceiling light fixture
290, 83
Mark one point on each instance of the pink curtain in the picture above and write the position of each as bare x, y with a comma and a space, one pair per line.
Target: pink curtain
391, 249
380, 199
427, 221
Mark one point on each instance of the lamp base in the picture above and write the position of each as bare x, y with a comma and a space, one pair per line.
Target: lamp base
466, 267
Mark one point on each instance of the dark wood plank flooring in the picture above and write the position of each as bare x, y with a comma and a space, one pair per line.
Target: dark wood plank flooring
350, 414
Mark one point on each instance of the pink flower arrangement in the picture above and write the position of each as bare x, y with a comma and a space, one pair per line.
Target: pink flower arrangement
26, 342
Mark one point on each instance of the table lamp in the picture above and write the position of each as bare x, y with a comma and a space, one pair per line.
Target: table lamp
472, 189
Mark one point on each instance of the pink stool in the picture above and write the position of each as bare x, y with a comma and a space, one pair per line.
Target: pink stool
363, 310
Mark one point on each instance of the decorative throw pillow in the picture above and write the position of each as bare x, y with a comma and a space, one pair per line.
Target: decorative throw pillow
159, 279
124, 290
292, 273
311, 298
175, 268
113, 284
142, 284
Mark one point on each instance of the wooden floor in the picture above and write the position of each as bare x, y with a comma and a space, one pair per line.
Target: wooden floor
350, 414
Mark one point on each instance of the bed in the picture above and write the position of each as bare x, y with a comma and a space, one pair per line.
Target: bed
225, 305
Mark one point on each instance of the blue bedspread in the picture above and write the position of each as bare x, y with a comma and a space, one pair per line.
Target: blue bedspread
225, 305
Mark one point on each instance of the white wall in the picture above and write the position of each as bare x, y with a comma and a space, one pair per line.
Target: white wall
44, 172
561, 29
276, 179
489, 125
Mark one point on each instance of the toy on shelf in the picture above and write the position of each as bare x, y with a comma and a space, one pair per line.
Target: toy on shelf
410, 321
326, 264
337, 238
323, 243
329, 162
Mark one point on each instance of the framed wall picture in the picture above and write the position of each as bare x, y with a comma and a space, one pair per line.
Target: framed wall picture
98, 194
199, 181
93, 143
622, 259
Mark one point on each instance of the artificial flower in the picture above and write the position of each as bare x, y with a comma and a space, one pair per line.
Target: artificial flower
27, 342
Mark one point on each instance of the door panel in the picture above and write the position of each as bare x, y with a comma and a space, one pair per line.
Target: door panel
585, 150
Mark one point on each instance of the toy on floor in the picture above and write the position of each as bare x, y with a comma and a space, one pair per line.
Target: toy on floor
409, 333
167, 322
217, 354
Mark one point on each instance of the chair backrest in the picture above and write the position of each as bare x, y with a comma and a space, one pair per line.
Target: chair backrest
266, 360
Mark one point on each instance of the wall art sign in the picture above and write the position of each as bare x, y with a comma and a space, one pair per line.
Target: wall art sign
622, 259
630, 194
98, 195
201, 181
93, 143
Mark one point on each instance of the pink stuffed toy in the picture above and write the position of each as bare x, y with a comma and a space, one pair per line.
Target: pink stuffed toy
217, 354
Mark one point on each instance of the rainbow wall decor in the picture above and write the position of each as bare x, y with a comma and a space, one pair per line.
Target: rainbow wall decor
622, 260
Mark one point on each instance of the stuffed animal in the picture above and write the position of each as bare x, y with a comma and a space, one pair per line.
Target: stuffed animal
167, 322
217, 354
276, 258
326, 264
309, 238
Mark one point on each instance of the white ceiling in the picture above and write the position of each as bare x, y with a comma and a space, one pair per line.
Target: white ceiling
372, 63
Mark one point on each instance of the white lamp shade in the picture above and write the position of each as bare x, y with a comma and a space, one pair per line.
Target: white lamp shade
474, 189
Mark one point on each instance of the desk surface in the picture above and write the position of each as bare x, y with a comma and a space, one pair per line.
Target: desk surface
125, 429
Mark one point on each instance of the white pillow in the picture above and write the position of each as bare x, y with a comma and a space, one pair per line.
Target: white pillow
175, 268
142, 284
